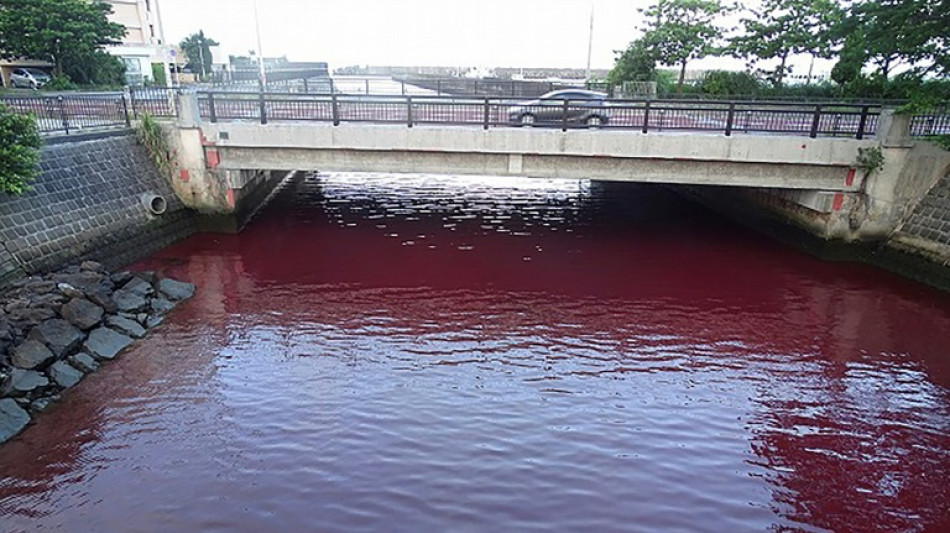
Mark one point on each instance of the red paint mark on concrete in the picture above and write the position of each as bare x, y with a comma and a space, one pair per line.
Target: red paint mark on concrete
184, 175
839, 201
213, 158
231, 201
850, 180
204, 140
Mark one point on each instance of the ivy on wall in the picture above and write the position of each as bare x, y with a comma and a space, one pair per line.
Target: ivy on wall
20, 144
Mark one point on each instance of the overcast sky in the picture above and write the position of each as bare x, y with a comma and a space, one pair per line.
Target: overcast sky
468, 33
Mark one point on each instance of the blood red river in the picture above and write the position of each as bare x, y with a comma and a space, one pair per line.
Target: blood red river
414, 353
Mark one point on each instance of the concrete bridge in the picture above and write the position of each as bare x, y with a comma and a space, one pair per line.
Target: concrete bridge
225, 157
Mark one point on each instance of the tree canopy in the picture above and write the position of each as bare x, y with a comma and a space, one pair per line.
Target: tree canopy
67, 33
197, 49
678, 31
781, 28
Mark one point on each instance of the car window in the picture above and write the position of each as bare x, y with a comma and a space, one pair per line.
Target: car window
37, 72
19, 72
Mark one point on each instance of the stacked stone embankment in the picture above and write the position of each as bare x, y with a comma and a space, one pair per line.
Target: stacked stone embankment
927, 229
54, 329
87, 204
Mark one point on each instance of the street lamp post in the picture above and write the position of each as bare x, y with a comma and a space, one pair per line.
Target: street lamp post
260, 52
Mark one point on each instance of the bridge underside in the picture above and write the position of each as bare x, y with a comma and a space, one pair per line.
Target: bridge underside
644, 170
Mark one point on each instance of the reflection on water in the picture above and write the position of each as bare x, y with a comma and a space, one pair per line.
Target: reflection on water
423, 353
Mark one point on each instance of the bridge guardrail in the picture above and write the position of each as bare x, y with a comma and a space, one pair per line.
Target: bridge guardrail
839, 120
66, 113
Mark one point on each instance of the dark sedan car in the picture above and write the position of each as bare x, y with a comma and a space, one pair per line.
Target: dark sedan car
582, 107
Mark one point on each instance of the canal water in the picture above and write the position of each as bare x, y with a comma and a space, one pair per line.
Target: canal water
457, 354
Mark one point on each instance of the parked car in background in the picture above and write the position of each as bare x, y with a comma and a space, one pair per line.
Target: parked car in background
29, 78
583, 107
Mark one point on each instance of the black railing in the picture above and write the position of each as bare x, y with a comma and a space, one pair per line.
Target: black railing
933, 122
844, 120
68, 113
155, 101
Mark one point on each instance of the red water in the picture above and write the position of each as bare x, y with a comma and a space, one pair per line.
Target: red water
420, 353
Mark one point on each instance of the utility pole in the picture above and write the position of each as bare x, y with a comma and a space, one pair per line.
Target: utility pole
260, 52
590, 41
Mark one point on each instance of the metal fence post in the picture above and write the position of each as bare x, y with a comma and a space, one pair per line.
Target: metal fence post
306, 87
336, 109
646, 116
815, 122
211, 110
486, 113
730, 118
438, 87
62, 113
862, 124
135, 111
366, 82
125, 112
409, 110
564, 118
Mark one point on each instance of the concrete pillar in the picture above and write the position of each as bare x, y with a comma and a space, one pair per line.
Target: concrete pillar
893, 129
189, 115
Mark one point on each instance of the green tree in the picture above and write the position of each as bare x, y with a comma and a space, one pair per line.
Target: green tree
197, 49
679, 31
20, 144
64, 32
636, 63
779, 29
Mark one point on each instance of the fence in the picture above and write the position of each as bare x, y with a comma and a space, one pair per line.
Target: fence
69, 113
855, 121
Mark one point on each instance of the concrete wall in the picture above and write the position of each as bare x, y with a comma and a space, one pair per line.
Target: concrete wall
86, 204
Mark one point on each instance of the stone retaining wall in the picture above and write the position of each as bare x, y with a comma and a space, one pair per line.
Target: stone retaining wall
86, 205
928, 227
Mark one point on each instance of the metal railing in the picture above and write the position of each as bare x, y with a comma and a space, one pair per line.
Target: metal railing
68, 113
934, 122
844, 120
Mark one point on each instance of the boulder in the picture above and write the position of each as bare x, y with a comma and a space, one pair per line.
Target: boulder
82, 313
80, 280
29, 317
175, 290
13, 419
104, 343
69, 290
129, 302
148, 275
63, 374
23, 382
102, 297
126, 326
57, 334
154, 321
161, 305
31, 354
90, 266
40, 405
84, 362
138, 286
121, 278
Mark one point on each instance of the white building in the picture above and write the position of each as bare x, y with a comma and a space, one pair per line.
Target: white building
144, 41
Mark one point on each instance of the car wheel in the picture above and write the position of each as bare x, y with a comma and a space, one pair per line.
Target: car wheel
33, 85
594, 121
527, 120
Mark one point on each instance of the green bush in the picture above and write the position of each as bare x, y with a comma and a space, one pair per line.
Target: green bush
725, 83
152, 137
60, 83
20, 144
158, 75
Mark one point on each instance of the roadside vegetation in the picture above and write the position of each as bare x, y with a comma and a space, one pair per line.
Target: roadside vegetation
20, 145
883, 49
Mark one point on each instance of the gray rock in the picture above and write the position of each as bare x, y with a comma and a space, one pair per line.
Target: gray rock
29, 317
40, 286
126, 326
82, 313
129, 302
154, 321
40, 405
12, 419
102, 297
69, 290
63, 374
91, 266
23, 382
142, 318
60, 336
80, 280
105, 344
148, 275
175, 290
161, 305
84, 362
139, 286
31, 354
121, 278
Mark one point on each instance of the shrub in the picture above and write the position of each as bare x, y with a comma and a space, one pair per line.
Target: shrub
158, 75
60, 83
151, 135
20, 144
725, 83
